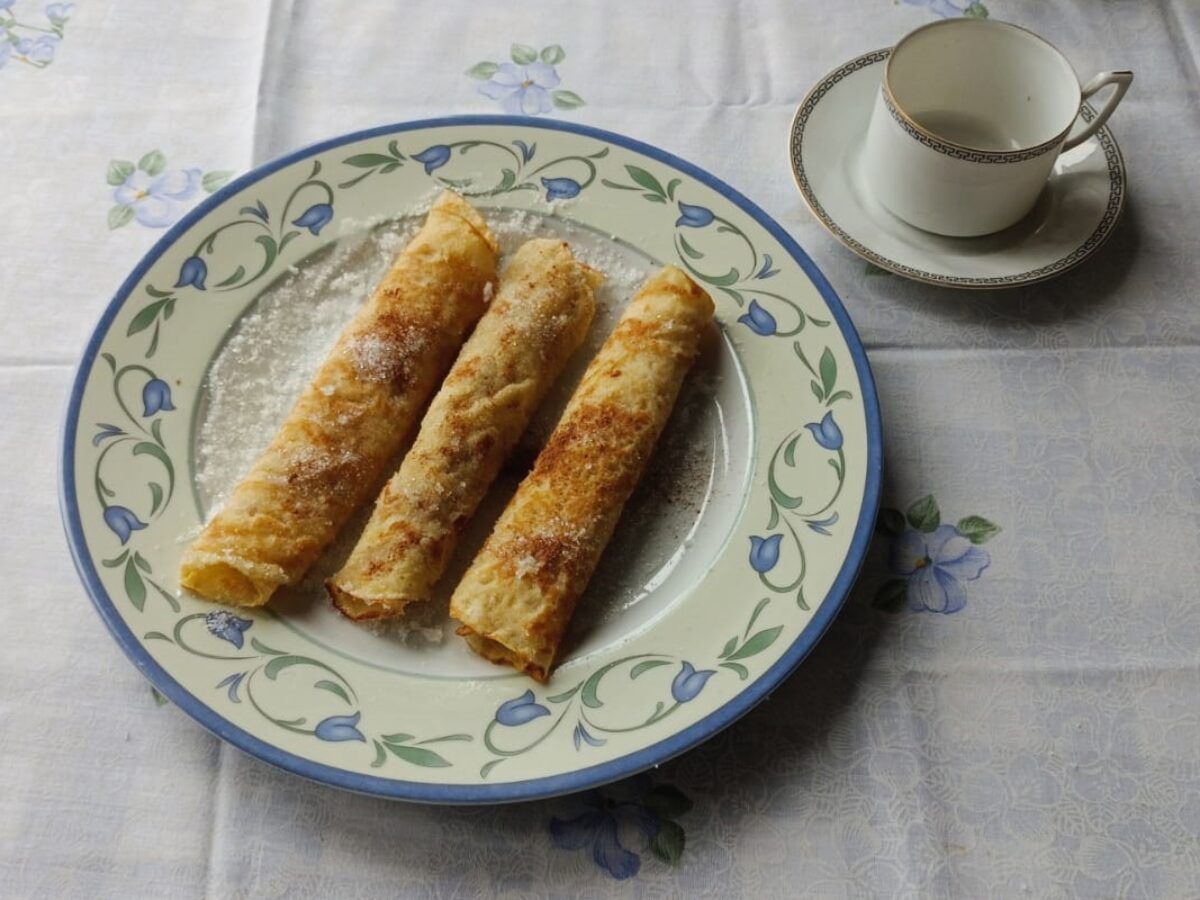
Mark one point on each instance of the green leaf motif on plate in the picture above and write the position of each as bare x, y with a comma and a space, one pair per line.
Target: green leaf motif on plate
508, 167
418, 756
757, 644
553, 55
135, 588
645, 666
368, 160
828, 367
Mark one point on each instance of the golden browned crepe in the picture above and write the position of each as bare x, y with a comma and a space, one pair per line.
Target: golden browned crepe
539, 317
353, 417
515, 600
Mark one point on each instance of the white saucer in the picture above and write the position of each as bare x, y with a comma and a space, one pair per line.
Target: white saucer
1073, 217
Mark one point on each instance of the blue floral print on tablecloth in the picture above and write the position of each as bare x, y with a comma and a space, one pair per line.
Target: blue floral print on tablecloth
29, 38
933, 561
529, 85
634, 809
949, 9
153, 194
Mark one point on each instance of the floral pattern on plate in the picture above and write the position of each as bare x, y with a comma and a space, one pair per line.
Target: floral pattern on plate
322, 712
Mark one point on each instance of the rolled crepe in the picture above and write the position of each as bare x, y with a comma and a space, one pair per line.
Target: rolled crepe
353, 417
540, 316
515, 600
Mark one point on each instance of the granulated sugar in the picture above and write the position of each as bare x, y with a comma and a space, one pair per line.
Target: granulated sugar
277, 346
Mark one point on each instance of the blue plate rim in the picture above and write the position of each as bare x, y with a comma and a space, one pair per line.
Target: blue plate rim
531, 789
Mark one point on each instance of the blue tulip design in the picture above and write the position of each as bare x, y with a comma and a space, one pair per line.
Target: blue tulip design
758, 320
122, 521
232, 682
520, 710
581, 736
822, 526
693, 216
767, 270
526, 150
826, 432
561, 188
156, 397
689, 683
192, 272
227, 626
315, 218
764, 552
106, 431
340, 728
433, 157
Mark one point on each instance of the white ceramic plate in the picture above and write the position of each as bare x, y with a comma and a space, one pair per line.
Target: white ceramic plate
1072, 219
714, 592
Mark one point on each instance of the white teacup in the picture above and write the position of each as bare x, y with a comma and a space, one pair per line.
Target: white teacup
969, 120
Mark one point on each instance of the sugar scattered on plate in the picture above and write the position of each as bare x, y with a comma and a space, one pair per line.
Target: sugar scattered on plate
273, 351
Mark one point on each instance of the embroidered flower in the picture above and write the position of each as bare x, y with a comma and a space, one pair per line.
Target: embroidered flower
522, 90
631, 810
937, 566
598, 829
948, 9
157, 200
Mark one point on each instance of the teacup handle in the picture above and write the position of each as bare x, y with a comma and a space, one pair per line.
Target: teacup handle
1121, 80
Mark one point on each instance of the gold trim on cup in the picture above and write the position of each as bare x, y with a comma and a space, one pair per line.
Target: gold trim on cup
965, 151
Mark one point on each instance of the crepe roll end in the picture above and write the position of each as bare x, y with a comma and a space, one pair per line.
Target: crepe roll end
362, 609
677, 282
595, 278
494, 651
451, 203
223, 581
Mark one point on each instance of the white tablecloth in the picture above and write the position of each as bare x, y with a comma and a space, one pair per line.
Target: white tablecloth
1043, 740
